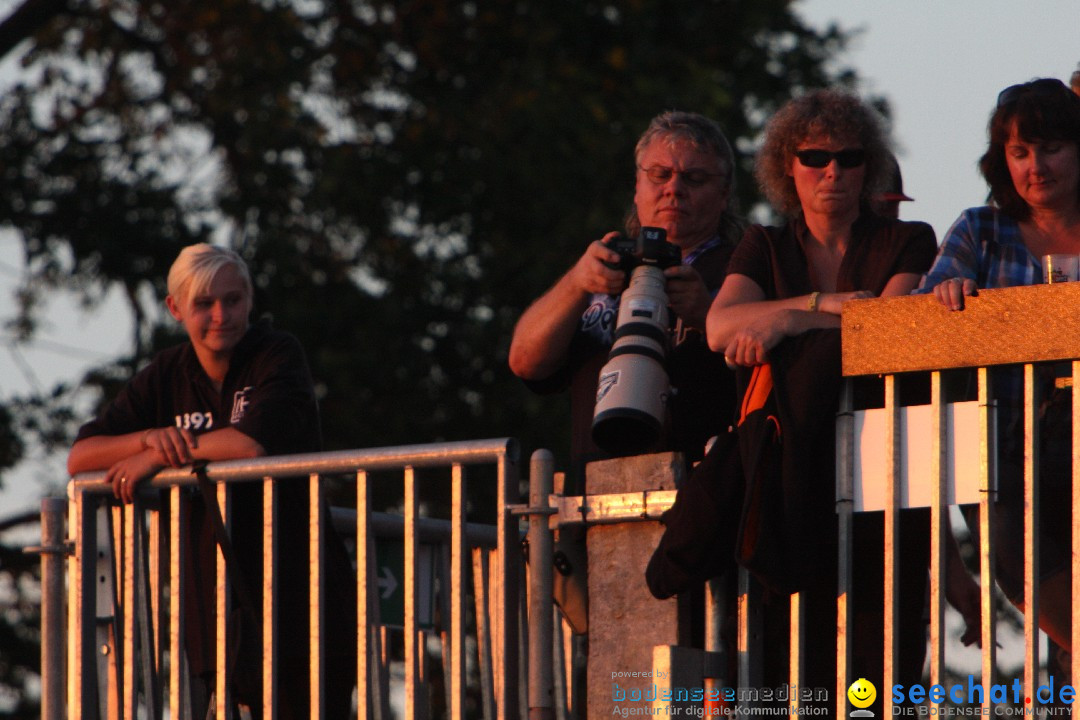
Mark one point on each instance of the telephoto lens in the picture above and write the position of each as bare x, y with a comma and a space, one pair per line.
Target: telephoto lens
633, 387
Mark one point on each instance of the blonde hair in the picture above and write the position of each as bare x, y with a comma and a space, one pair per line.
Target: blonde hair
197, 265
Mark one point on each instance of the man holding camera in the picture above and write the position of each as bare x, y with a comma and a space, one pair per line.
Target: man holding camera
684, 183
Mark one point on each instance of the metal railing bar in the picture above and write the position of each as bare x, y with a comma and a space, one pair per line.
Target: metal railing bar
1031, 537
1075, 518
750, 641
483, 631
508, 640
131, 539
845, 495
222, 692
469, 452
458, 548
270, 600
364, 586
988, 488
316, 601
413, 650
82, 696
158, 549
144, 617
939, 468
178, 522
797, 649
892, 537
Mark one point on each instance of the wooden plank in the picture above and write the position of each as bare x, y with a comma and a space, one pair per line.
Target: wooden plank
1032, 323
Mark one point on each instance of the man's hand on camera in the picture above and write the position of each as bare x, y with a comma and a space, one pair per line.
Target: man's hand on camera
594, 271
687, 295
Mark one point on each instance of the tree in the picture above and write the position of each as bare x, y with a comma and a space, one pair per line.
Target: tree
403, 177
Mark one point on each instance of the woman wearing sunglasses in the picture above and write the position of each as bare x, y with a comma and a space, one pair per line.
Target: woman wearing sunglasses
823, 160
1032, 166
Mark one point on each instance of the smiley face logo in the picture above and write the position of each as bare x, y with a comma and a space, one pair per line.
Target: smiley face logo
862, 693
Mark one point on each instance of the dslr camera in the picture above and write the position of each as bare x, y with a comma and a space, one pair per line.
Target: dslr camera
633, 388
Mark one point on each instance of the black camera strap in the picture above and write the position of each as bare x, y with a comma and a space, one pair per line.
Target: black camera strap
213, 515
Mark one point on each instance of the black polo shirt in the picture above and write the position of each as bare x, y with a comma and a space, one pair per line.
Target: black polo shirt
267, 394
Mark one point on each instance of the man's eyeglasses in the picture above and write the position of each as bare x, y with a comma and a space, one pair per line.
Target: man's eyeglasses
850, 158
694, 177
1042, 86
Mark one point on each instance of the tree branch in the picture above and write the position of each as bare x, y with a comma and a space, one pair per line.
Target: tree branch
26, 20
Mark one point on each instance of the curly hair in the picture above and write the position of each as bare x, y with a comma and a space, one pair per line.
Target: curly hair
704, 134
1041, 110
825, 113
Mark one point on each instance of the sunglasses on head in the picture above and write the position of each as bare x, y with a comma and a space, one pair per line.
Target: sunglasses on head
1042, 86
821, 158
694, 177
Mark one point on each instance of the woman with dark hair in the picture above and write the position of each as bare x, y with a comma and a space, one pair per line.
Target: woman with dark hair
1032, 166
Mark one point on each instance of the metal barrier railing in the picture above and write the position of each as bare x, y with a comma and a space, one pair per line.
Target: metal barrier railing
958, 446
122, 640
1010, 326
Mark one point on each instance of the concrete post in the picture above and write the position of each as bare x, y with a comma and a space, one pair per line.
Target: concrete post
625, 620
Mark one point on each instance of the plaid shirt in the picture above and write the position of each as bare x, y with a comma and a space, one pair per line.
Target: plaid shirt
984, 244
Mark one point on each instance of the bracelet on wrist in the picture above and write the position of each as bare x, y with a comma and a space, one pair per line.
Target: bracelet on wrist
812, 306
142, 440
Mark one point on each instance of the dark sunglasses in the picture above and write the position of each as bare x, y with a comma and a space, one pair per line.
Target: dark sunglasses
1042, 86
695, 177
821, 158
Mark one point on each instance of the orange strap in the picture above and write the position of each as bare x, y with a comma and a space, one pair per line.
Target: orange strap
757, 392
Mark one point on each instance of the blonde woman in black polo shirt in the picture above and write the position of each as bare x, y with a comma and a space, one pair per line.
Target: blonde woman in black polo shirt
234, 390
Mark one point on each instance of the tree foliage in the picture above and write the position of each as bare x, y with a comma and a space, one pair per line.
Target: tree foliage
403, 177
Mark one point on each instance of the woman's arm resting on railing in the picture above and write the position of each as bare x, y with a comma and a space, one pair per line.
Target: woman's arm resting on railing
133, 457
745, 326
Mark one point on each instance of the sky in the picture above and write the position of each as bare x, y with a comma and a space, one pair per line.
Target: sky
940, 63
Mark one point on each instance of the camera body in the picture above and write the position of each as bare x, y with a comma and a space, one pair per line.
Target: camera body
633, 389
650, 247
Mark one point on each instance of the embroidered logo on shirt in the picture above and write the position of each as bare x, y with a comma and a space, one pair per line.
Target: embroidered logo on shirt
239, 405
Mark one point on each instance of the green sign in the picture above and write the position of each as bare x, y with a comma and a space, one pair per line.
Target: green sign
390, 582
